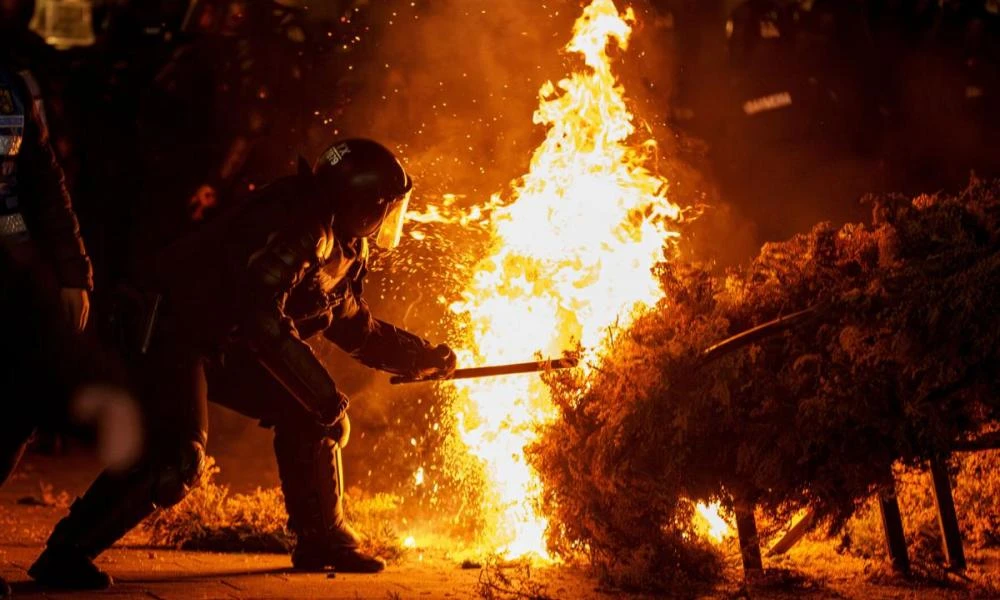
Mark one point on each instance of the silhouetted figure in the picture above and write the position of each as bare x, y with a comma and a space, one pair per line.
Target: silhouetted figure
225, 313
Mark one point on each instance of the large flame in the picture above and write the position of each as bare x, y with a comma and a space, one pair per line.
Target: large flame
575, 244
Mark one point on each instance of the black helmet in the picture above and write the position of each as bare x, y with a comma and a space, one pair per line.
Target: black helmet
367, 187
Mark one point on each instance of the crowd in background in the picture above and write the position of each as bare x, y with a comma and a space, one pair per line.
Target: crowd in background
826, 100
195, 103
823, 100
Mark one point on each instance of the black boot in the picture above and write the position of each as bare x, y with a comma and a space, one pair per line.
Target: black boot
67, 569
315, 555
312, 481
4, 589
112, 506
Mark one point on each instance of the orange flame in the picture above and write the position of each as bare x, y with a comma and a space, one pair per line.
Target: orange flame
709, 522
575, 244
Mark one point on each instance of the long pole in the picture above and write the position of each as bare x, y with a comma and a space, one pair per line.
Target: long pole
567, 362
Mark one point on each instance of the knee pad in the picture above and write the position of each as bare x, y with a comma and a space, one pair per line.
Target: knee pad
308, 431
340, 432
179, 475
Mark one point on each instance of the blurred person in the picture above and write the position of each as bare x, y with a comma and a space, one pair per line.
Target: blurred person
46, 275
905, 61
41, 66
221, 315
36, 213
38, 225
836, 41
767, 113
978, 90
105, 83
944, 82
691, 27
222, 115
768, 97
16, 35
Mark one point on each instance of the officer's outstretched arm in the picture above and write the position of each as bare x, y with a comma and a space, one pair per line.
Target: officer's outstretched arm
273, 272
382, 346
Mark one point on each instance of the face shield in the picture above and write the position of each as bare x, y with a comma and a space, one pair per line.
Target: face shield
391, 230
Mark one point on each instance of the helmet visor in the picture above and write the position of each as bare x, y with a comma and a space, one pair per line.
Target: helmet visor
391, 230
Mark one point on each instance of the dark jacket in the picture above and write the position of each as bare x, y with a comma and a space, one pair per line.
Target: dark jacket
271, 273
32, 183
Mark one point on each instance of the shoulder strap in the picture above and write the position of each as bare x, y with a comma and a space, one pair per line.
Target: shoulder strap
36, 95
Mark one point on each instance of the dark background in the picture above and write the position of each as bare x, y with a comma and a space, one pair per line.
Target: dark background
885, 96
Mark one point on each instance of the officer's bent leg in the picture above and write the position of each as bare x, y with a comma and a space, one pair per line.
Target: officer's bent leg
309, 464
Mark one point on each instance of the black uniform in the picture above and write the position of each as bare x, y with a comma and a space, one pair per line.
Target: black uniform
40, 251
40, 237
237, 300
34, 204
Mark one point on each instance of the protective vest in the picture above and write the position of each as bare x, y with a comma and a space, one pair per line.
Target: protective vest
13, 114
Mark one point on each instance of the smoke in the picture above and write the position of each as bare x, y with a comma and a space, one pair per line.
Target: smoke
452, 85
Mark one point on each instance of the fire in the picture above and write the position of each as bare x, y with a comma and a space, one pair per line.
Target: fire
710, 523
574, 247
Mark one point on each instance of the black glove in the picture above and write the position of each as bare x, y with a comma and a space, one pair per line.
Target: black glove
436, 362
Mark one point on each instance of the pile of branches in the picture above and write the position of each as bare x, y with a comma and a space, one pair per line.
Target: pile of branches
898, 361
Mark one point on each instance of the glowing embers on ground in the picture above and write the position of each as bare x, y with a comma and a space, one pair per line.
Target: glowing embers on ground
573, 252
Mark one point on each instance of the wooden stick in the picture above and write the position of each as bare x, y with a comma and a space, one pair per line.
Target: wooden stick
951, 533
754, 334
795, 533
746, 530
892, 523
567, 362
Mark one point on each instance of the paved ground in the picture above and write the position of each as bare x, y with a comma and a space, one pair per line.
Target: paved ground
166, 574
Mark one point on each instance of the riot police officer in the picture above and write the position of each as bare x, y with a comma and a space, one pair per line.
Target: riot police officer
44, 254
36, 213
232, 306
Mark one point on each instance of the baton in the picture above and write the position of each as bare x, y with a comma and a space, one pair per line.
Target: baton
566, 362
